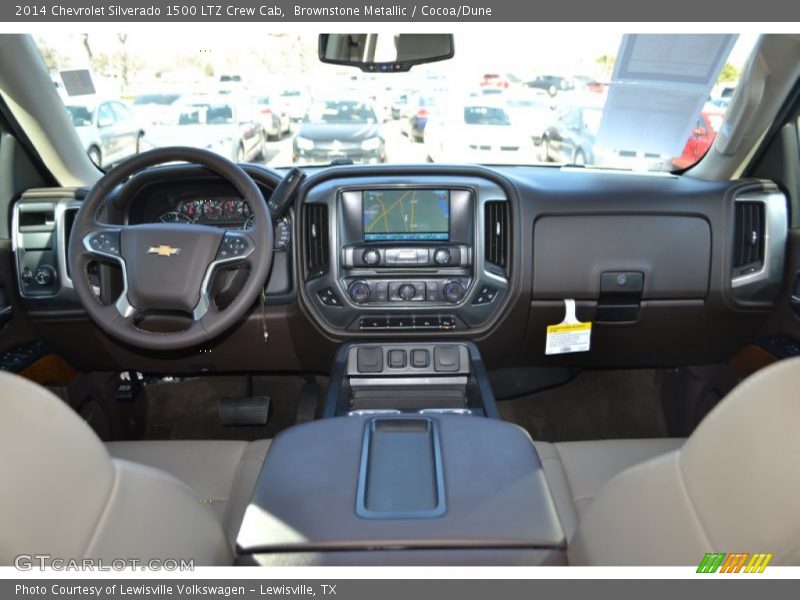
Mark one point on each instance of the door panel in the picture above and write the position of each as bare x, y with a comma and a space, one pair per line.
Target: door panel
14, 326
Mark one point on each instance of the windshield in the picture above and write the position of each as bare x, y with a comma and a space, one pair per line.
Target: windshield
549, 98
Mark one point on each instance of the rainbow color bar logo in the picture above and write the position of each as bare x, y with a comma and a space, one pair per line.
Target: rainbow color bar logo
738, 562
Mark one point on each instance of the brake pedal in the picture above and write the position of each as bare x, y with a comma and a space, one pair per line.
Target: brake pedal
249, 410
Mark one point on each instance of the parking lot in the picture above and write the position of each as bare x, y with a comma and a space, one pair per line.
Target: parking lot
399, 149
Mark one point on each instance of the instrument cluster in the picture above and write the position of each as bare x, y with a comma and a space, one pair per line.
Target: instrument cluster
231, 213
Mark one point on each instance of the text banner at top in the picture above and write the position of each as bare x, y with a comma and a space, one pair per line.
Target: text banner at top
397, 11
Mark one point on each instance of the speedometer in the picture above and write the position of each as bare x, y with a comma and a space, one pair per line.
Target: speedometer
174, 217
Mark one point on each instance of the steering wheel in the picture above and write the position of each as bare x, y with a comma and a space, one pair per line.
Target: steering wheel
168, 267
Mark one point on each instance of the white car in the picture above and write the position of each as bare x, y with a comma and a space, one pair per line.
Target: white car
532, 109
155, 108
223, 124
482, 130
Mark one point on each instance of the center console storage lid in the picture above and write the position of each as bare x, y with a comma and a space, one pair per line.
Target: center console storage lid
411, 481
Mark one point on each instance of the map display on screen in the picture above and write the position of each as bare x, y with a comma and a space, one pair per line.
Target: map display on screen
396, 215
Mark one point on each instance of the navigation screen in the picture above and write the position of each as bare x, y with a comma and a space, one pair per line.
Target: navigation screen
406, 215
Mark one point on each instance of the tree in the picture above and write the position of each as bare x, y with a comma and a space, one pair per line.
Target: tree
729, 73
52, 58
606, 64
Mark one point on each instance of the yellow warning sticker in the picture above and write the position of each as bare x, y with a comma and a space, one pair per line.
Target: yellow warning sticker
570, 335
567, 327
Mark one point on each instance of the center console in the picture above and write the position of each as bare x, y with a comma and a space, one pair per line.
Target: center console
409, 377
405, 254
401, 489
409, 465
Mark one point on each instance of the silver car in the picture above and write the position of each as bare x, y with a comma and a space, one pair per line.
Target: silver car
108, 130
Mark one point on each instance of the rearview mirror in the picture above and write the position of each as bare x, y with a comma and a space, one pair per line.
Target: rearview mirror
384, 52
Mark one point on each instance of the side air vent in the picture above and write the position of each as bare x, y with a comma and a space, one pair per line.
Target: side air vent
496, 238
316, 230
749, 234
760, 231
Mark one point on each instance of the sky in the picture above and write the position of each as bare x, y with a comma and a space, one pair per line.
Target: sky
546, 49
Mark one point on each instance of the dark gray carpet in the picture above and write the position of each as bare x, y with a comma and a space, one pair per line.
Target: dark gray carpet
595, 405
189, 409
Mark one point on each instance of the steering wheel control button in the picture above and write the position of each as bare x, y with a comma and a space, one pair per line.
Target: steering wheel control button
328, 297
233, 246
359, 292
446, 359
486, 295
105, 242
369, 359
397, 359
420, 359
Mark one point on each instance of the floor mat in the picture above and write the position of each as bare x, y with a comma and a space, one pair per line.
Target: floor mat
189, 409
595, 405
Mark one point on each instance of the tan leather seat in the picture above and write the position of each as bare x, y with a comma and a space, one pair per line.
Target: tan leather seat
222, 473
577, 471
733, 486
66, 496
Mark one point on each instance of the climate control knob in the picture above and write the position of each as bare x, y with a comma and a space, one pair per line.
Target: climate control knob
453, 291
371, 257
359, 292
441, 256
406, 291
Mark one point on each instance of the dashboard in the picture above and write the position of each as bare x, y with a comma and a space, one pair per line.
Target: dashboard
658, 264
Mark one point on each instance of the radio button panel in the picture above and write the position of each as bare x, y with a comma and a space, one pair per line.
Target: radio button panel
420, 285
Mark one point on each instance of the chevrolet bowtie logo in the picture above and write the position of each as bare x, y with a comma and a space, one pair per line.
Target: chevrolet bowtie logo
163, 250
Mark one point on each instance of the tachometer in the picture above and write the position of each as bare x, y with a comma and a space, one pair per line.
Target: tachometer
192, 209
174, 217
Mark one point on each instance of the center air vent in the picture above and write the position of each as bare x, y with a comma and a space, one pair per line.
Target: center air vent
316, 230
749, 233
496, 238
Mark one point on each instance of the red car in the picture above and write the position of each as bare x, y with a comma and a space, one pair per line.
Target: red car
501, 81
702, 137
